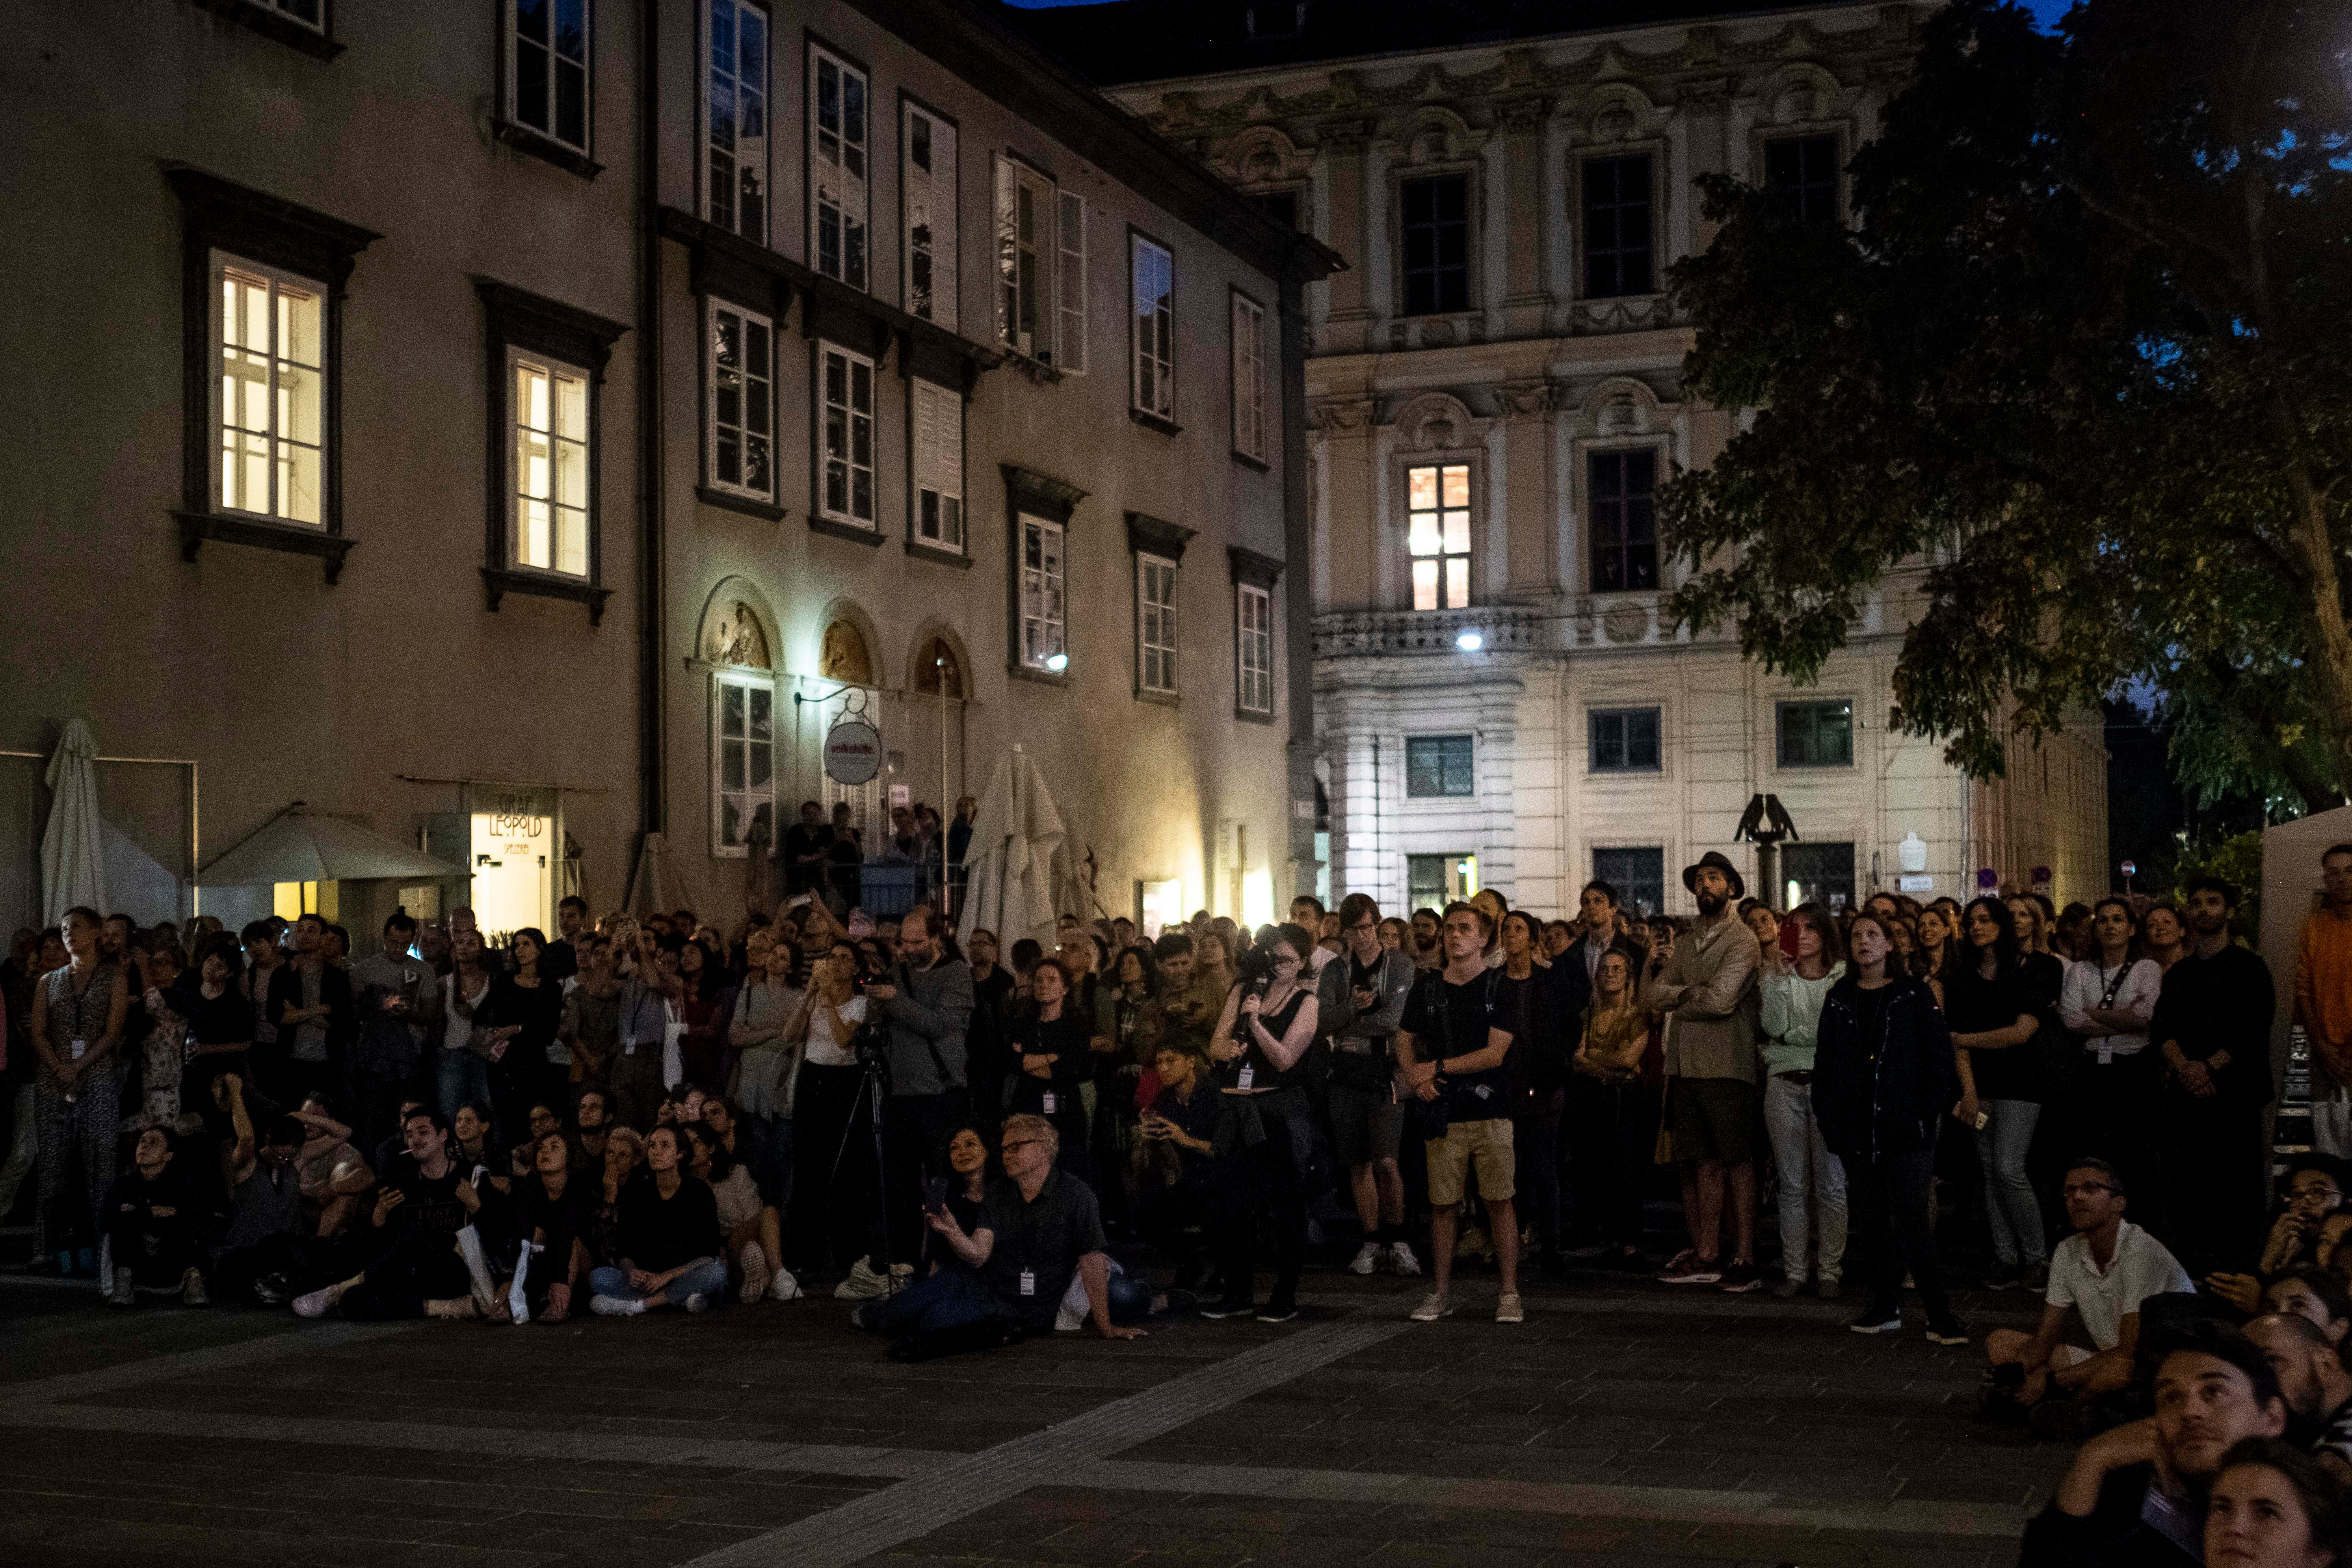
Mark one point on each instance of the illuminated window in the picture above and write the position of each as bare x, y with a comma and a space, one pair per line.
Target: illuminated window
1438, 501
268, 416
549, 523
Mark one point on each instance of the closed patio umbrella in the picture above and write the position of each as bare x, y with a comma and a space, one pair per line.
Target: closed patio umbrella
73, 860
1016, 837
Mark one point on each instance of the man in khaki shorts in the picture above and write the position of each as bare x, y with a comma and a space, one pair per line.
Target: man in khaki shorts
1451, 1055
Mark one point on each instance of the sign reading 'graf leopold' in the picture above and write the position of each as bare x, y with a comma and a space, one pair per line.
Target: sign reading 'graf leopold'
853, 752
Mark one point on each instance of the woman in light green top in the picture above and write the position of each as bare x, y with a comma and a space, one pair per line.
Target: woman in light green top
1813, 1184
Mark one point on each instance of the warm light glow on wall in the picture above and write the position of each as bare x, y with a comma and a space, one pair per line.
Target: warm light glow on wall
1257, 898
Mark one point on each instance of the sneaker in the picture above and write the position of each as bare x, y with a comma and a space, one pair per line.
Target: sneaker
273, 1290
1508, 1310
192, 1290
1789, 1288
1741, 1279
863, 1284
1696, 1270
320, 1302
1947, 1332
902, 1276
755, 1273
1218, 1311
2004, 1276
1827, 1288
614, 1306
1433, 1306
456, 1308
1276, 1312
118, 1294
698, 1302
1878, 1318
1367, 1257
1401, 1260
783, 1287
2033, 1276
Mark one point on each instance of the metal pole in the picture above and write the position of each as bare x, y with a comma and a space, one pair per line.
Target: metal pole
939, 671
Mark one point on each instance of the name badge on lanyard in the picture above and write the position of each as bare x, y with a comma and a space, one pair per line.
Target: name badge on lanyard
1248, 1077
1052, 1101
1028, 1282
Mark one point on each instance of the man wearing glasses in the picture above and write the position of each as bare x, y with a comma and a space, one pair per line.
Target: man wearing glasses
1047, 1234
2105, 1270
1360, 997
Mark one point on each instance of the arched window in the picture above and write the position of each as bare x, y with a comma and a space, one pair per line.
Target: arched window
843, 656
735, 644
936, 668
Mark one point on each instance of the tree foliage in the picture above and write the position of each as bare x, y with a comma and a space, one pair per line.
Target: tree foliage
2084, 353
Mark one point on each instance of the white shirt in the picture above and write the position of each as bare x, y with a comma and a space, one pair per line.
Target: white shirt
458, 1030
2141, 1267
823, 1049
2134, 989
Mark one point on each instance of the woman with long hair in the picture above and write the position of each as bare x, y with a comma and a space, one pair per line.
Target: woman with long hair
1812, 1182
832, 1152
555, 1211
761, 1030
668, 1238
1266, 1124
1613, 1111
1938, 949
749, 1229
1883, 1079
1053, 1040
469, 1041
1995, 1011
1212, 959
2107, 999
705, 1040
532, 1004
77, 1023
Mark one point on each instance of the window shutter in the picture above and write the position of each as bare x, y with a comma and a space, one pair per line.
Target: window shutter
1008, 250
945, 191
949, 463
1071, 345
927, 442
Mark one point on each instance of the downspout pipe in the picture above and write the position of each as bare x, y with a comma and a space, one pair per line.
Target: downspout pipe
653, 807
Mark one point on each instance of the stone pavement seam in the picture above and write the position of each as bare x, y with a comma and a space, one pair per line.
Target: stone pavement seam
184, 1363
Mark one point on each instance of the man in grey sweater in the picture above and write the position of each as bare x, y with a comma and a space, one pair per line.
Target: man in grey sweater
1360, 1000
1706, 989
924, 1011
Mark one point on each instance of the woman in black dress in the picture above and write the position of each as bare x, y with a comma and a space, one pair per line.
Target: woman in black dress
1264, 1131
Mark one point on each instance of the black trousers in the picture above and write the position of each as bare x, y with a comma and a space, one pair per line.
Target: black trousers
416, 1269
2112, 1112
832, 1168
2215, 1182
1167, 1217
1613, 1139
914, 1129
1891, 1226
1264, 1182
1535, 1144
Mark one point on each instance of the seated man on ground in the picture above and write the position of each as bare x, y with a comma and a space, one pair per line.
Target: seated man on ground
2135, 1497
429, 1262
2312, 1382
666, 1237
271, 1247
2104, 1271
150, 1214
333, 1175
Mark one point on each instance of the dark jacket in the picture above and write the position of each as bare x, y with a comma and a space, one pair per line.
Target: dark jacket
1883, 1095
335, 995
926, 1021
2118, 1534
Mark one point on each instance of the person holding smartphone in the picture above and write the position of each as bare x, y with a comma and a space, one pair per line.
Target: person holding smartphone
1179, 1157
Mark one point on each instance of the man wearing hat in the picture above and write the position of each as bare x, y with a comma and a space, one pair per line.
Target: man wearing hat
1709, 989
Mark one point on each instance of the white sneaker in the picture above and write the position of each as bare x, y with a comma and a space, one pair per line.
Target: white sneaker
698, 1302
320, 1302
783, 1287
192, 1289
1508, 1309
1401, 1260
1367, 1257
614, 1307
119, 1293
863, 1284
1433, 1306
755, 1273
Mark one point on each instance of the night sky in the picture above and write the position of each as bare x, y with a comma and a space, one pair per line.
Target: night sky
2049, 11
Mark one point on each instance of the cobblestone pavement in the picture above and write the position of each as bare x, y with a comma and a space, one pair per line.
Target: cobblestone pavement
1623, 1422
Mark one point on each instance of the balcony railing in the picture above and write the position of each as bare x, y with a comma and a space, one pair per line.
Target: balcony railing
1344, 633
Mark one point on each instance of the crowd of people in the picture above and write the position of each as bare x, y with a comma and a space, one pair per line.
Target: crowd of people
976, 1144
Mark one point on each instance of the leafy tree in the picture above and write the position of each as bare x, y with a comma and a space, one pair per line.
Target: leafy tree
2086, 355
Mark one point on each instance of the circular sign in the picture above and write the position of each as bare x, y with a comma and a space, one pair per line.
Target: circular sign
1988, 877
853, 752
2131, 869
2042, 874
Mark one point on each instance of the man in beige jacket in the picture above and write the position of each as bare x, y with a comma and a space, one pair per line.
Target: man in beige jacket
1708, 987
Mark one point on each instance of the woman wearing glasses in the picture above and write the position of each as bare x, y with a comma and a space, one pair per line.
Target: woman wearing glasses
1266, 1129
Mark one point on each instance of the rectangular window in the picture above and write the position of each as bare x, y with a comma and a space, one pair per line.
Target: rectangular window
927, 190
1436, 214
268, 335
1249, 377
1622, 493
311, 14
939, 465
1044, 616
837, 168
1155, 624
1638, 875
1617, 235
1815, 874
550, 89
1152, 388
1041, 268
1625, 740
1438, 765
735, 123
846, 389
742, 761
1433, 881
1253, 612
1437, 535
742, 402
551, 465
1803, 172
1816, 734
1071, 284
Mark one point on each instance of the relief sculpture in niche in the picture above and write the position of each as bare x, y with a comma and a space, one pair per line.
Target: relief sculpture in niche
737, 638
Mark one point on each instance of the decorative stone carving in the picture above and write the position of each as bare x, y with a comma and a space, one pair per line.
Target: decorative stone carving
736, 638
1627, 622
1332, 414
1527, 399
1524, 116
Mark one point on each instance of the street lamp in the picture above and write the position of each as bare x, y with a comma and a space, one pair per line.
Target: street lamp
1469, 641
1057, 662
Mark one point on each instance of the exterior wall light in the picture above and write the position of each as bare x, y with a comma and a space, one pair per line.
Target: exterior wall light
1469, 641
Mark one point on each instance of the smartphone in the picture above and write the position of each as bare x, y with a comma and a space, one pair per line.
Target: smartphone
935, 1195
1789, 930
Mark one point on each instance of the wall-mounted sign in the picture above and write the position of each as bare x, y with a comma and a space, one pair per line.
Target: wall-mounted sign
2131, 869
1986, 877
2042, 876
1915, 884
853, 752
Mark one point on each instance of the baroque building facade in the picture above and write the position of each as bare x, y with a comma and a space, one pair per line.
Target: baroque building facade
525, 430
1494, 398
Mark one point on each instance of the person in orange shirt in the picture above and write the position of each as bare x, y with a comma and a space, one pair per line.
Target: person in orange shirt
2322, 1002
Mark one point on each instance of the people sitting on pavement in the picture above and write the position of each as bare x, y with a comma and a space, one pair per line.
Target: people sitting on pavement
2312, 1382
749, 1228
429, 1262
271, 1246
555, 1210
2273, 1506
1181, 1196
670, 1251
333, 1175
150, 1220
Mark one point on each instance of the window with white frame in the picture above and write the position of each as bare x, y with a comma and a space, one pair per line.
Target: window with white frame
1043, 584
1155, 625
938, 421
552, 454
735, 119
1249, 377
742, 402
1041, 268
742, 759
837, 149
1437, 535
269, 414
547, 84
927, 190
845, 394
1151, 388
1071, 286
1254, 634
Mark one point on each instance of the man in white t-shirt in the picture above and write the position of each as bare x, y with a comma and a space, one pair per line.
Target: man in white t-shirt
2104, 1271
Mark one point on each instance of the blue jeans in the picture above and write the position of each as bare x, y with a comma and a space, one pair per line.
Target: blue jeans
704, 1275
2009, 1204
465, 1079
950, 1298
